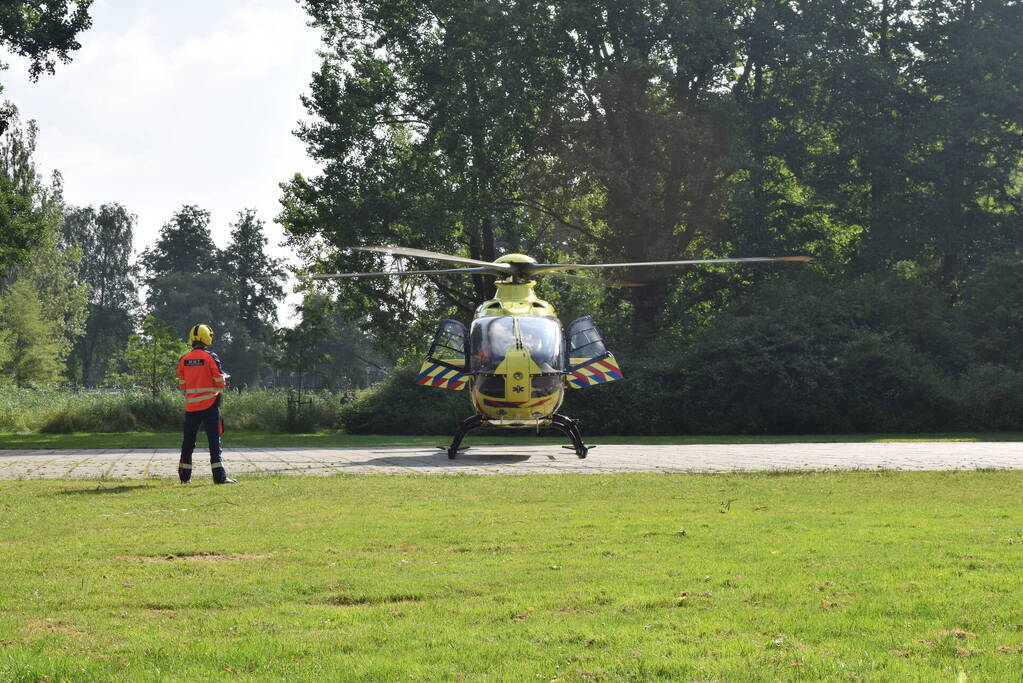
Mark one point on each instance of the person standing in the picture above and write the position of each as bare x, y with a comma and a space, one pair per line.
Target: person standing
202, 379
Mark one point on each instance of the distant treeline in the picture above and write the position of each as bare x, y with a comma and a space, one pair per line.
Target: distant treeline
71, 315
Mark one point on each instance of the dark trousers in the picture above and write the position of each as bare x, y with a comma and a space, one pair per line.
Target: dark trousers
209, 419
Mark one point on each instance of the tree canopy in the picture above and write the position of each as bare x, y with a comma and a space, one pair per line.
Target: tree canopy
44, 32
868, 133
104, 237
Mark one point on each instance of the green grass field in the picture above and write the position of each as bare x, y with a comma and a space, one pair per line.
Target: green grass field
255, 439
836, 576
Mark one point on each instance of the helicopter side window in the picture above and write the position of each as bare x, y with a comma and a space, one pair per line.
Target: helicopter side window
489, 341
584, 341
449, 344
542, 338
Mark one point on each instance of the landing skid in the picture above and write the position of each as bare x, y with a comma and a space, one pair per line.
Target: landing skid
565, 425
464, 427
569, 428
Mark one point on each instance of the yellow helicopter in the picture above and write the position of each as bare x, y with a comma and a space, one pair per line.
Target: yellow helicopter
515, 358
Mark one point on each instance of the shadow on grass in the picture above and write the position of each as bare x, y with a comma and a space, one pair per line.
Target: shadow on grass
101, 489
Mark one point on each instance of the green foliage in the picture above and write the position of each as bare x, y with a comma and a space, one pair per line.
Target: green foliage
104, 237
989, 394
46, 305
29, 208
44, 32
992, 308
150, 358
400, 406
809, 355
22, 229
53, 274
190, 281
295, 348
899, 128
32, 342
865, 133
325, 350
62, 411
799, 355
254, 283
186, 279
184, 245
106, 412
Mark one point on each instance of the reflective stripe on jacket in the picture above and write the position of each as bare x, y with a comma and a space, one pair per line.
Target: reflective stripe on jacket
201, 378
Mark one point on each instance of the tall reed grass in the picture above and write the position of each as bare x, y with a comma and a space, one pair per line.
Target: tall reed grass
63, 411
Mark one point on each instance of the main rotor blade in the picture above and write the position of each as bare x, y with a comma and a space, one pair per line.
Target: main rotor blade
598, 281
437, 256
403, 273
547, 267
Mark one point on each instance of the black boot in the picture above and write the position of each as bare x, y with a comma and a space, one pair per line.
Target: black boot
220, 474
185, 472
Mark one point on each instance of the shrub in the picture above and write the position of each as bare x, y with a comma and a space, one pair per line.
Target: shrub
991, 397
400, 406
814, 357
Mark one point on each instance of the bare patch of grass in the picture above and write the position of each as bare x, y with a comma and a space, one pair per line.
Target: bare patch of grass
197, 556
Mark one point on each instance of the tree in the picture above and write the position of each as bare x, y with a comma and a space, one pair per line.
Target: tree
150, 358
29, 208
186, 278
30, 248
43, 32
30, 340
890, 127
298, 349
421, 143
184, 245
877, 135
65, 300
256, 286
105, 239
584, 131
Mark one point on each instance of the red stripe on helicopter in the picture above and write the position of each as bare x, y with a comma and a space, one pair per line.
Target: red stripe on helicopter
611, 369
513, 404
503, 404
424, 376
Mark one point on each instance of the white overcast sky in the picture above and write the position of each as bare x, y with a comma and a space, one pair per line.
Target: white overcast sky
172, 103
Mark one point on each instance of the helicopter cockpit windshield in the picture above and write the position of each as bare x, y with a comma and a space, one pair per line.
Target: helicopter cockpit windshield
489, 341
491, 338
542, 336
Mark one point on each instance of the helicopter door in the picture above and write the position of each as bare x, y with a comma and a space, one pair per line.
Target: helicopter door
445, 366
589, 361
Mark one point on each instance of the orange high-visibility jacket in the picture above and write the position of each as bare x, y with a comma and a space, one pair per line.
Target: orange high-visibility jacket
201, 378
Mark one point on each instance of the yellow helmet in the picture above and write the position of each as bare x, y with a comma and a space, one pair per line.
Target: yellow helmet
201, 333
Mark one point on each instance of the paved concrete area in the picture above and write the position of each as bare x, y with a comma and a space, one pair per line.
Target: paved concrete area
244, 462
